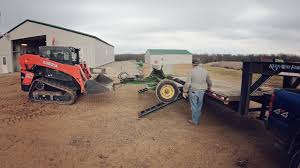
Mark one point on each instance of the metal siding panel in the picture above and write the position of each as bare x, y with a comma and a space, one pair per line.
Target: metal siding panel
177, 59
146, 58
62, 38
89, 46
5, 50
156, 59
104, 54
171, 59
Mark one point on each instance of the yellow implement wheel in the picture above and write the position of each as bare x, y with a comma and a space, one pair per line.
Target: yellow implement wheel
166, 91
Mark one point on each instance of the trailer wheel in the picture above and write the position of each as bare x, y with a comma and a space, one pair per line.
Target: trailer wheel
166, 91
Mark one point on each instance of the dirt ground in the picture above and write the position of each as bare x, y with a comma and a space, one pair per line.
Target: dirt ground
104, 131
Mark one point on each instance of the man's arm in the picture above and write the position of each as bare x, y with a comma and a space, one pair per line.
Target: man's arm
188, 82
208, 81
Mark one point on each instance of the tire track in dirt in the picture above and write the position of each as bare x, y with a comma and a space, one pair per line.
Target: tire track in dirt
31, 111
15, 119
9, 141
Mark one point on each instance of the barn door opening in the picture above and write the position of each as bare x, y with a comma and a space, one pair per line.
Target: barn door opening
28, 45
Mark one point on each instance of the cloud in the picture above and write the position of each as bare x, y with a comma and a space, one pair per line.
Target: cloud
254, 13
215, 26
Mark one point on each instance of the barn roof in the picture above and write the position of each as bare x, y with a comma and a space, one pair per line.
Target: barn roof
168, 52
57, 27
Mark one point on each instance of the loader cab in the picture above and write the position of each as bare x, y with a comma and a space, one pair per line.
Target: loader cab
64, 55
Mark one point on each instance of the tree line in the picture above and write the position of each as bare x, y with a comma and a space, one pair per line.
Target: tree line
206, 58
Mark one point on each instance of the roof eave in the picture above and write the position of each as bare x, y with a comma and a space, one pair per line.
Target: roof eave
57, 27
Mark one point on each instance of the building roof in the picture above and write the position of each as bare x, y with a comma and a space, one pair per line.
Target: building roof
57, 27
168, 52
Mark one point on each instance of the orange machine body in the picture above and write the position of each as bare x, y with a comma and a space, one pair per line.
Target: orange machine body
79, 72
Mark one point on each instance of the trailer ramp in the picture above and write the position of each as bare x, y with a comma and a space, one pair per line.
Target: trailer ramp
157, 107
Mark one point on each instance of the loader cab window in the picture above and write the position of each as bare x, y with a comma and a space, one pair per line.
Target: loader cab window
61, 55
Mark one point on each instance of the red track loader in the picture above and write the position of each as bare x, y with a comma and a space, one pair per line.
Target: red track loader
55, 75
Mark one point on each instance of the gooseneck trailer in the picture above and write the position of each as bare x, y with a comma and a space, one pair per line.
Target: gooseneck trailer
169, 89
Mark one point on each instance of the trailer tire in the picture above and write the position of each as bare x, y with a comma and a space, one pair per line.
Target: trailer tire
166, 91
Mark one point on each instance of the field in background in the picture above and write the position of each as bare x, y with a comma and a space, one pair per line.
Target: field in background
232, 71
227, 64
206, 58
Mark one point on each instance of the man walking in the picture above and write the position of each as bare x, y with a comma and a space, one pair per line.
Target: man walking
197, 82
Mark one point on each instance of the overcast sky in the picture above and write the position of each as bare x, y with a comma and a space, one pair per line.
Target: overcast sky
211, 26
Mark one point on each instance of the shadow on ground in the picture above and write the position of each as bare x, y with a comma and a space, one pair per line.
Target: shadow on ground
247, 126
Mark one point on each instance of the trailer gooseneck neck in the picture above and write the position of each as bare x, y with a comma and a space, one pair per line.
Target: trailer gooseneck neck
291, 79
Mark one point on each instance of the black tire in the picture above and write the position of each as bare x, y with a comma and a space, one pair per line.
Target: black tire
166, 91
295, 160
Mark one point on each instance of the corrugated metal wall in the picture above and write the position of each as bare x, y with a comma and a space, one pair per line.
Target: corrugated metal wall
169, 63
94, 52
170, 59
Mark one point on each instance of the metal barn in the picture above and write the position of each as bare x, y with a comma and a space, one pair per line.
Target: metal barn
29, 35
169, 60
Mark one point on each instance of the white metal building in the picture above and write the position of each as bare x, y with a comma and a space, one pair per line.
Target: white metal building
168, 59
29, 35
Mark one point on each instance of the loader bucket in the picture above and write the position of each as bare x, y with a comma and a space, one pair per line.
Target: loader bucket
100, 84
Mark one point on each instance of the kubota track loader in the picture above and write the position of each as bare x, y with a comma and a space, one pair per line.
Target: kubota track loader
55, 75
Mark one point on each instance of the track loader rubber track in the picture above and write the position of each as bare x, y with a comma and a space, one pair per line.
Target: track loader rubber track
38, 95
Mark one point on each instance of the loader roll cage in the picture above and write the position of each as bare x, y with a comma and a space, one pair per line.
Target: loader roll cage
249, 90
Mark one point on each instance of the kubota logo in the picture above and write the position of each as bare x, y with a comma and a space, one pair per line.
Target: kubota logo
50, 64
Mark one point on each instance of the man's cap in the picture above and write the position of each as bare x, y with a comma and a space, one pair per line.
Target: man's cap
195, 62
